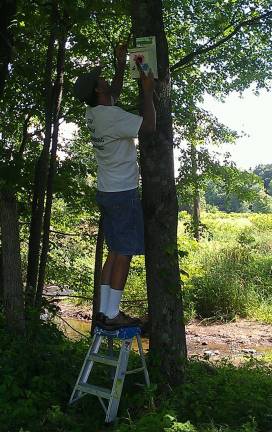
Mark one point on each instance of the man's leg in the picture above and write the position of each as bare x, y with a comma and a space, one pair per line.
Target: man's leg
120, 271
118, 280
107, 268
115, 272
105, 282
113, 279
122, 233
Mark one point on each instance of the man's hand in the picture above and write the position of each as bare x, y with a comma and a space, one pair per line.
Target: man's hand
148, 83
121, 53
148, 125
117, 82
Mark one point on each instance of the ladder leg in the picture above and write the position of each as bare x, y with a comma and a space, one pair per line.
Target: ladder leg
110, 352
118, 381
86, 368
89, 363
141, 352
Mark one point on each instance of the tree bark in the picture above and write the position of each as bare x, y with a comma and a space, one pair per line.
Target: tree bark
98, 269
41, 176
196, 215
167, 337
13, 300
7, 12
52, 169
1, 278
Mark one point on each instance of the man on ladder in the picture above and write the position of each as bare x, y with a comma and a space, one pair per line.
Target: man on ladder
113, 132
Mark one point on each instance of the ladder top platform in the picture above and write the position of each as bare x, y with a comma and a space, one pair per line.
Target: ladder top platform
121, 333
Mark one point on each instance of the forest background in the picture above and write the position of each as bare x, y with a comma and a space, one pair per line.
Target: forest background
49, 220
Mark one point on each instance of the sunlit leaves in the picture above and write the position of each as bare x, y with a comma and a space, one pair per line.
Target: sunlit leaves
94, 29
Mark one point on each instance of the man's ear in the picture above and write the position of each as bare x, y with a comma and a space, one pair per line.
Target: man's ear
97, 89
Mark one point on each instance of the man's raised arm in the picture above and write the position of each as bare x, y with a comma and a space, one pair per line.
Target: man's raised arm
149, 114
117, 82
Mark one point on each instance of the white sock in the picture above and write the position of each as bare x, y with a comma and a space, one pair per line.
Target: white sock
114, 302
104, 298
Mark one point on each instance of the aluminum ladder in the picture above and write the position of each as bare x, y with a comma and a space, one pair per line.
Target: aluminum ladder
82, 388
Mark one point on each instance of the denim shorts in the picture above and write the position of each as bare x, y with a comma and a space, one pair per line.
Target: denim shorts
122, 221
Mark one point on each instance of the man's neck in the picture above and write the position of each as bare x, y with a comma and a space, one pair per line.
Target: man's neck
104, 99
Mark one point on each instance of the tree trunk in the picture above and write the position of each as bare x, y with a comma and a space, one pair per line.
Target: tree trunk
1, 277
196, 194
7, 12
52, 169
12, 277
40, 181
196, 215
98, 269
167, 337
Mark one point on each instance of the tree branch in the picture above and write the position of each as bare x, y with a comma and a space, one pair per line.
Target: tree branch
73, 234
205, 49
90, 298
69, 325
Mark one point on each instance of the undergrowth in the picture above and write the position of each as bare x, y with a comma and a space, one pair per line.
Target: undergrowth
230, 270
38, 373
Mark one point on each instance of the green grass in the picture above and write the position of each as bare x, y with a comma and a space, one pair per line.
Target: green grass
230, 269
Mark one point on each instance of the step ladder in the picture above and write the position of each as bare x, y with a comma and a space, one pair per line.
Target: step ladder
113, 395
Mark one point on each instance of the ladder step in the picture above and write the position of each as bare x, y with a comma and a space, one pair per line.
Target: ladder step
95, 390
103, 359
132, 371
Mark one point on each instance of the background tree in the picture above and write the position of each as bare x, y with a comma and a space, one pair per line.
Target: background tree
265, 172
7, 12
237, 191
198, 163
10, 281
214, 58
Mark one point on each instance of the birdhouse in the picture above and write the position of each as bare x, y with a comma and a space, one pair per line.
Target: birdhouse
145, 55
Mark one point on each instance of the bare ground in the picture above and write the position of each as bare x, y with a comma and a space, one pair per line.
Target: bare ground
235, 340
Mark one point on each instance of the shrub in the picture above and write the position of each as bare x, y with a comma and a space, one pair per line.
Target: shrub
226, 295
230, 275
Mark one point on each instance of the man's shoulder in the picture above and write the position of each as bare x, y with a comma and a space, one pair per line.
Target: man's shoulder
104, 109
97, 113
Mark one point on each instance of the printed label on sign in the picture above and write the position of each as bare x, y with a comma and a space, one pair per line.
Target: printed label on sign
146, 61
147, 40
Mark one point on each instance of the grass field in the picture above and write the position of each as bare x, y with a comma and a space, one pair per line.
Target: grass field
230, 269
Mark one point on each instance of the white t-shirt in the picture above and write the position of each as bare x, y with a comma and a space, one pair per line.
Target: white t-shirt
113, 133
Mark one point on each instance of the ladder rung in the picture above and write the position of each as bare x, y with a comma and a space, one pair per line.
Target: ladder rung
132, 371
103, 359
95, 390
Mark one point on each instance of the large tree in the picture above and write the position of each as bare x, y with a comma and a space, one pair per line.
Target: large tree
10, 265
167, 333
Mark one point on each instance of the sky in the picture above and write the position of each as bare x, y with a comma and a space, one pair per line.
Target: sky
253, 115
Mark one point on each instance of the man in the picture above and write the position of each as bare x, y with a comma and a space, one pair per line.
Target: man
113, 132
